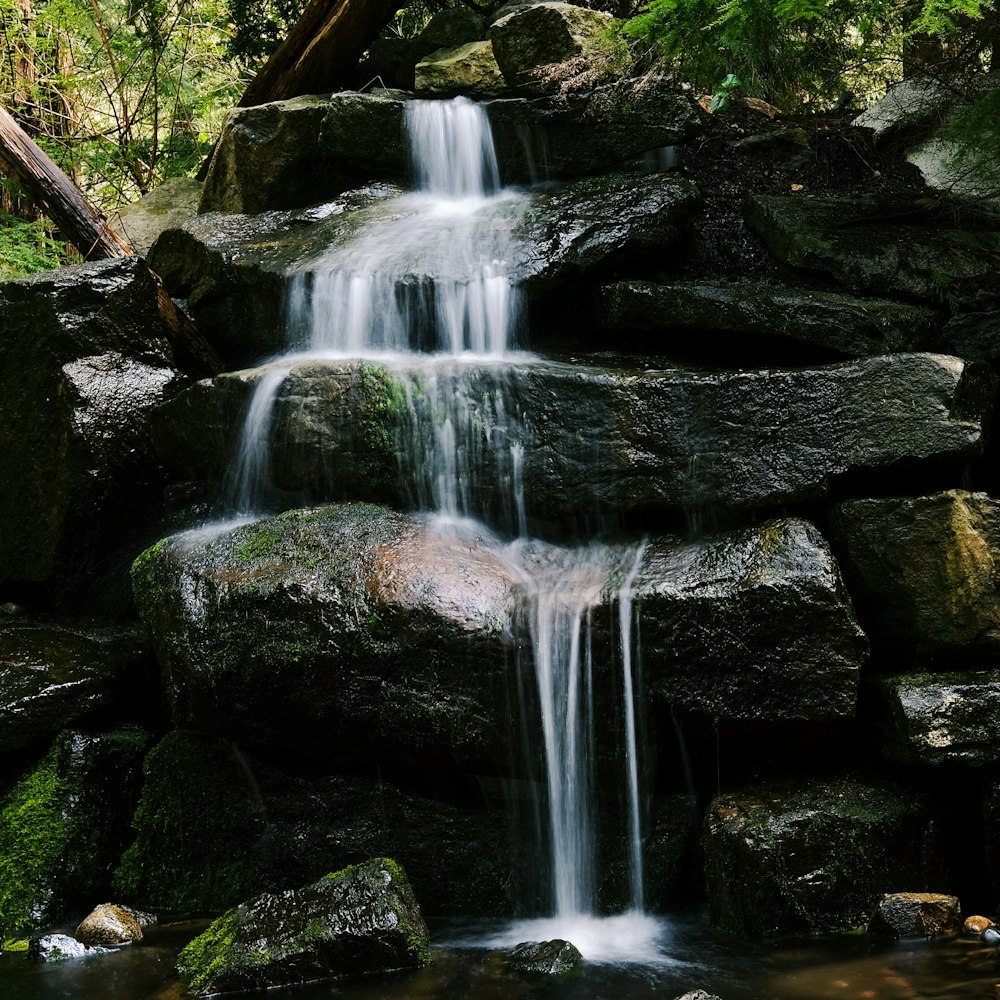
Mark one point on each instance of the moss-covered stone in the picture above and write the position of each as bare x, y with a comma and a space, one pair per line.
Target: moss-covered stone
362, 919
63, 823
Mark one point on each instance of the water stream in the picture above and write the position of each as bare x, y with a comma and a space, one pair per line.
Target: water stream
427, 293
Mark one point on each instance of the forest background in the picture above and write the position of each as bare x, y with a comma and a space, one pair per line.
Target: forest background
124, 94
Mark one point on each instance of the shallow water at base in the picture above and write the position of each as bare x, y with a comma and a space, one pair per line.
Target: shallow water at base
469, 964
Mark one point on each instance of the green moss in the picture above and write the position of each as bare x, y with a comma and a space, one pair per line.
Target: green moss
145, 574
383, 404
258, 542
207, 953
33, 834
15, 944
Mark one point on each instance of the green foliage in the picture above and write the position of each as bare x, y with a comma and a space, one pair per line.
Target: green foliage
259, 27
792, 50
27, 247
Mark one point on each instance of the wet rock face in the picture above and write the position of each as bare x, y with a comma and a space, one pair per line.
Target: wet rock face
52, 673
915, 915
923, 571
331, 631
880, 249
82, 363
216, 825
842, 324
363, 919
949, 718
752, 625
810, 858
63, 823
599, 438
467, 69
545, 958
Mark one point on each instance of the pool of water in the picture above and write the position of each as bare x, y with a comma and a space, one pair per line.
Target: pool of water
693, 955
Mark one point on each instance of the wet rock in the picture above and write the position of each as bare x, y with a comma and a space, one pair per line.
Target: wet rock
849, 326
469, 69
363, 919
915, 914
545, 958
595, 438
165, 207
269, 157
234, 269
589, 133
752, 625
449, 28
58, 948
83, 361
381, 635
531, 39
904, 249
108, 926
54, 672
217, 824
63, 824
923, 572
698, 995
810, 856
975, 925
365, 134
950, 718
974, 336
990, 936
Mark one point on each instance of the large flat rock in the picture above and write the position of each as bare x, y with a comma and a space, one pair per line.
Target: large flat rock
591, 437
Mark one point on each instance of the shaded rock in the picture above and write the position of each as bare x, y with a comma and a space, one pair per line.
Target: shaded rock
365, 134
63, 824
974, 336
449, 28
604, 438
752, 625
469, 69
363, 919
52, 673
108, 926
923, 572
381, 636
911, 110
58, 948
589, 133
990, 936
937, 161
534, 37
165, 207
270, 157
849, 326
545, 958
951, 718
915, 914
83, 361
810, 857
217, 824
234, 269
698, 995
873, 247
991, 823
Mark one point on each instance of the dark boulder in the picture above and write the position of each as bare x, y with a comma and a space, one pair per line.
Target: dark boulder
63, 823
812, 856
217, 824
872, 247
84, 359
923, 572
916, 915
940, 718
363, 919
54, 672
545, 958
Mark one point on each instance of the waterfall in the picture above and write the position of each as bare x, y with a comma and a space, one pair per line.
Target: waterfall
427, 292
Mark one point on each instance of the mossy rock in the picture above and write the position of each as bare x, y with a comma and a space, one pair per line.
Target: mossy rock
63, 824
363, 919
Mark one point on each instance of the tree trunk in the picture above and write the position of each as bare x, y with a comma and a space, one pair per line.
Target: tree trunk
321, 51
46, 185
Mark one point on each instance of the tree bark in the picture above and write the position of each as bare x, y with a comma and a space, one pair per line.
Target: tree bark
79, 222
321, 50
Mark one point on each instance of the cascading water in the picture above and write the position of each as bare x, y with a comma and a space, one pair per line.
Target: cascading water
427, 292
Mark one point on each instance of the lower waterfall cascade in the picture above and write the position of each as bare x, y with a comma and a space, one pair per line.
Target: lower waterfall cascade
429, 296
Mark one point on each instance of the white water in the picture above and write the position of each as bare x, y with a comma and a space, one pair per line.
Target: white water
428, 293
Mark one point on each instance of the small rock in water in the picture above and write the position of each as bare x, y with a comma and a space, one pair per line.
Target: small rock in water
57, 947
915, 914
975, 925
109, 925
698, 995
990, 936
549, 958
